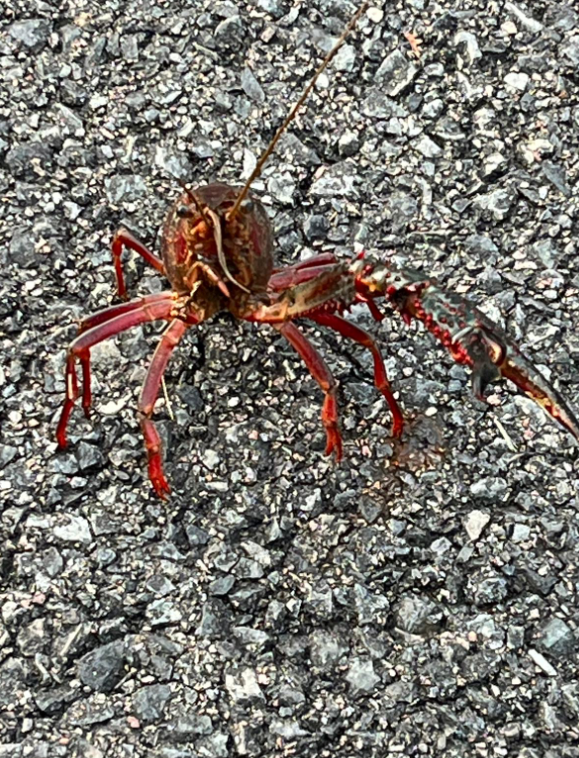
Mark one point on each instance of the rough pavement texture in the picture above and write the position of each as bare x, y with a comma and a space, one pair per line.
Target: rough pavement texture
418, 600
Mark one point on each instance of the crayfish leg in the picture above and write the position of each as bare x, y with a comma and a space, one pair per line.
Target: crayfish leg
303, 271
123, 238
71, 382
106, 314
157, 308
149, 393
353, 332
323, 376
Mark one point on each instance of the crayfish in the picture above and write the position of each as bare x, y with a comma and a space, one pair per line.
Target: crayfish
217, 253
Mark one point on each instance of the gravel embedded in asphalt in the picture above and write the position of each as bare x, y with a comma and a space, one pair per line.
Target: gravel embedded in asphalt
418, 599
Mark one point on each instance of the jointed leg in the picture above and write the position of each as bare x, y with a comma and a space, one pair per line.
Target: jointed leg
349, 330
301, 272
314, 260
169, 340
123, 238
377, 314
80, 349
321, 373
106, 314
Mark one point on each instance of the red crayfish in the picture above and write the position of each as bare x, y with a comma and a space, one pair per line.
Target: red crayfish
217, 255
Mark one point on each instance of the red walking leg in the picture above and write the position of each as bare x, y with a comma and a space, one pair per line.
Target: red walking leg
350, 331
80, 349
123, 238
377, 314
323, 376
169, 341
106, 314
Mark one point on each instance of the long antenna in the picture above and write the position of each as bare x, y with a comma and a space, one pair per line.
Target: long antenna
291, 115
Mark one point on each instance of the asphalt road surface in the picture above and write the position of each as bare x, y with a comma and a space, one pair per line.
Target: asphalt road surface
419, 599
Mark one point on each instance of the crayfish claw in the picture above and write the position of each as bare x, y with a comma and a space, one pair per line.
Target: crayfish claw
521, 372
482, 375
505, 358
484, 367
467, 333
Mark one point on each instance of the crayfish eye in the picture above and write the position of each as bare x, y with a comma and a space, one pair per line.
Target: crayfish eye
183, 211
247, 205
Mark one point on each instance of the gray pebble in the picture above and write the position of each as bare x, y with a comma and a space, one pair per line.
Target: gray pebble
469, 42
32, 33
93, 710
196, 536
51, 701
315, 227
125, 188
221, 586
361, 676
521, 533
396, 72
557, 176
428, 147
273, 7
149, 702
251, 86
517, 80
190, 725
161, 612
103, 667
418, 615
89, 456
475, 523
526, 21
345, 59
25, 160
32, 638
493, 164
75, 529
481, 245
349, 143
490, 488
333, 183
489, 591
557, 638
243, 686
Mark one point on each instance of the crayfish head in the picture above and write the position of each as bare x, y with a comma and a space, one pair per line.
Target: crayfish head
230, 255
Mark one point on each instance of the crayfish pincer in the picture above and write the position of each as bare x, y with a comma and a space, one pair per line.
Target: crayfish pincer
217, 253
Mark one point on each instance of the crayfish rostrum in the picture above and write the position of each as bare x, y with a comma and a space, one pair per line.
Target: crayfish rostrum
217, 253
